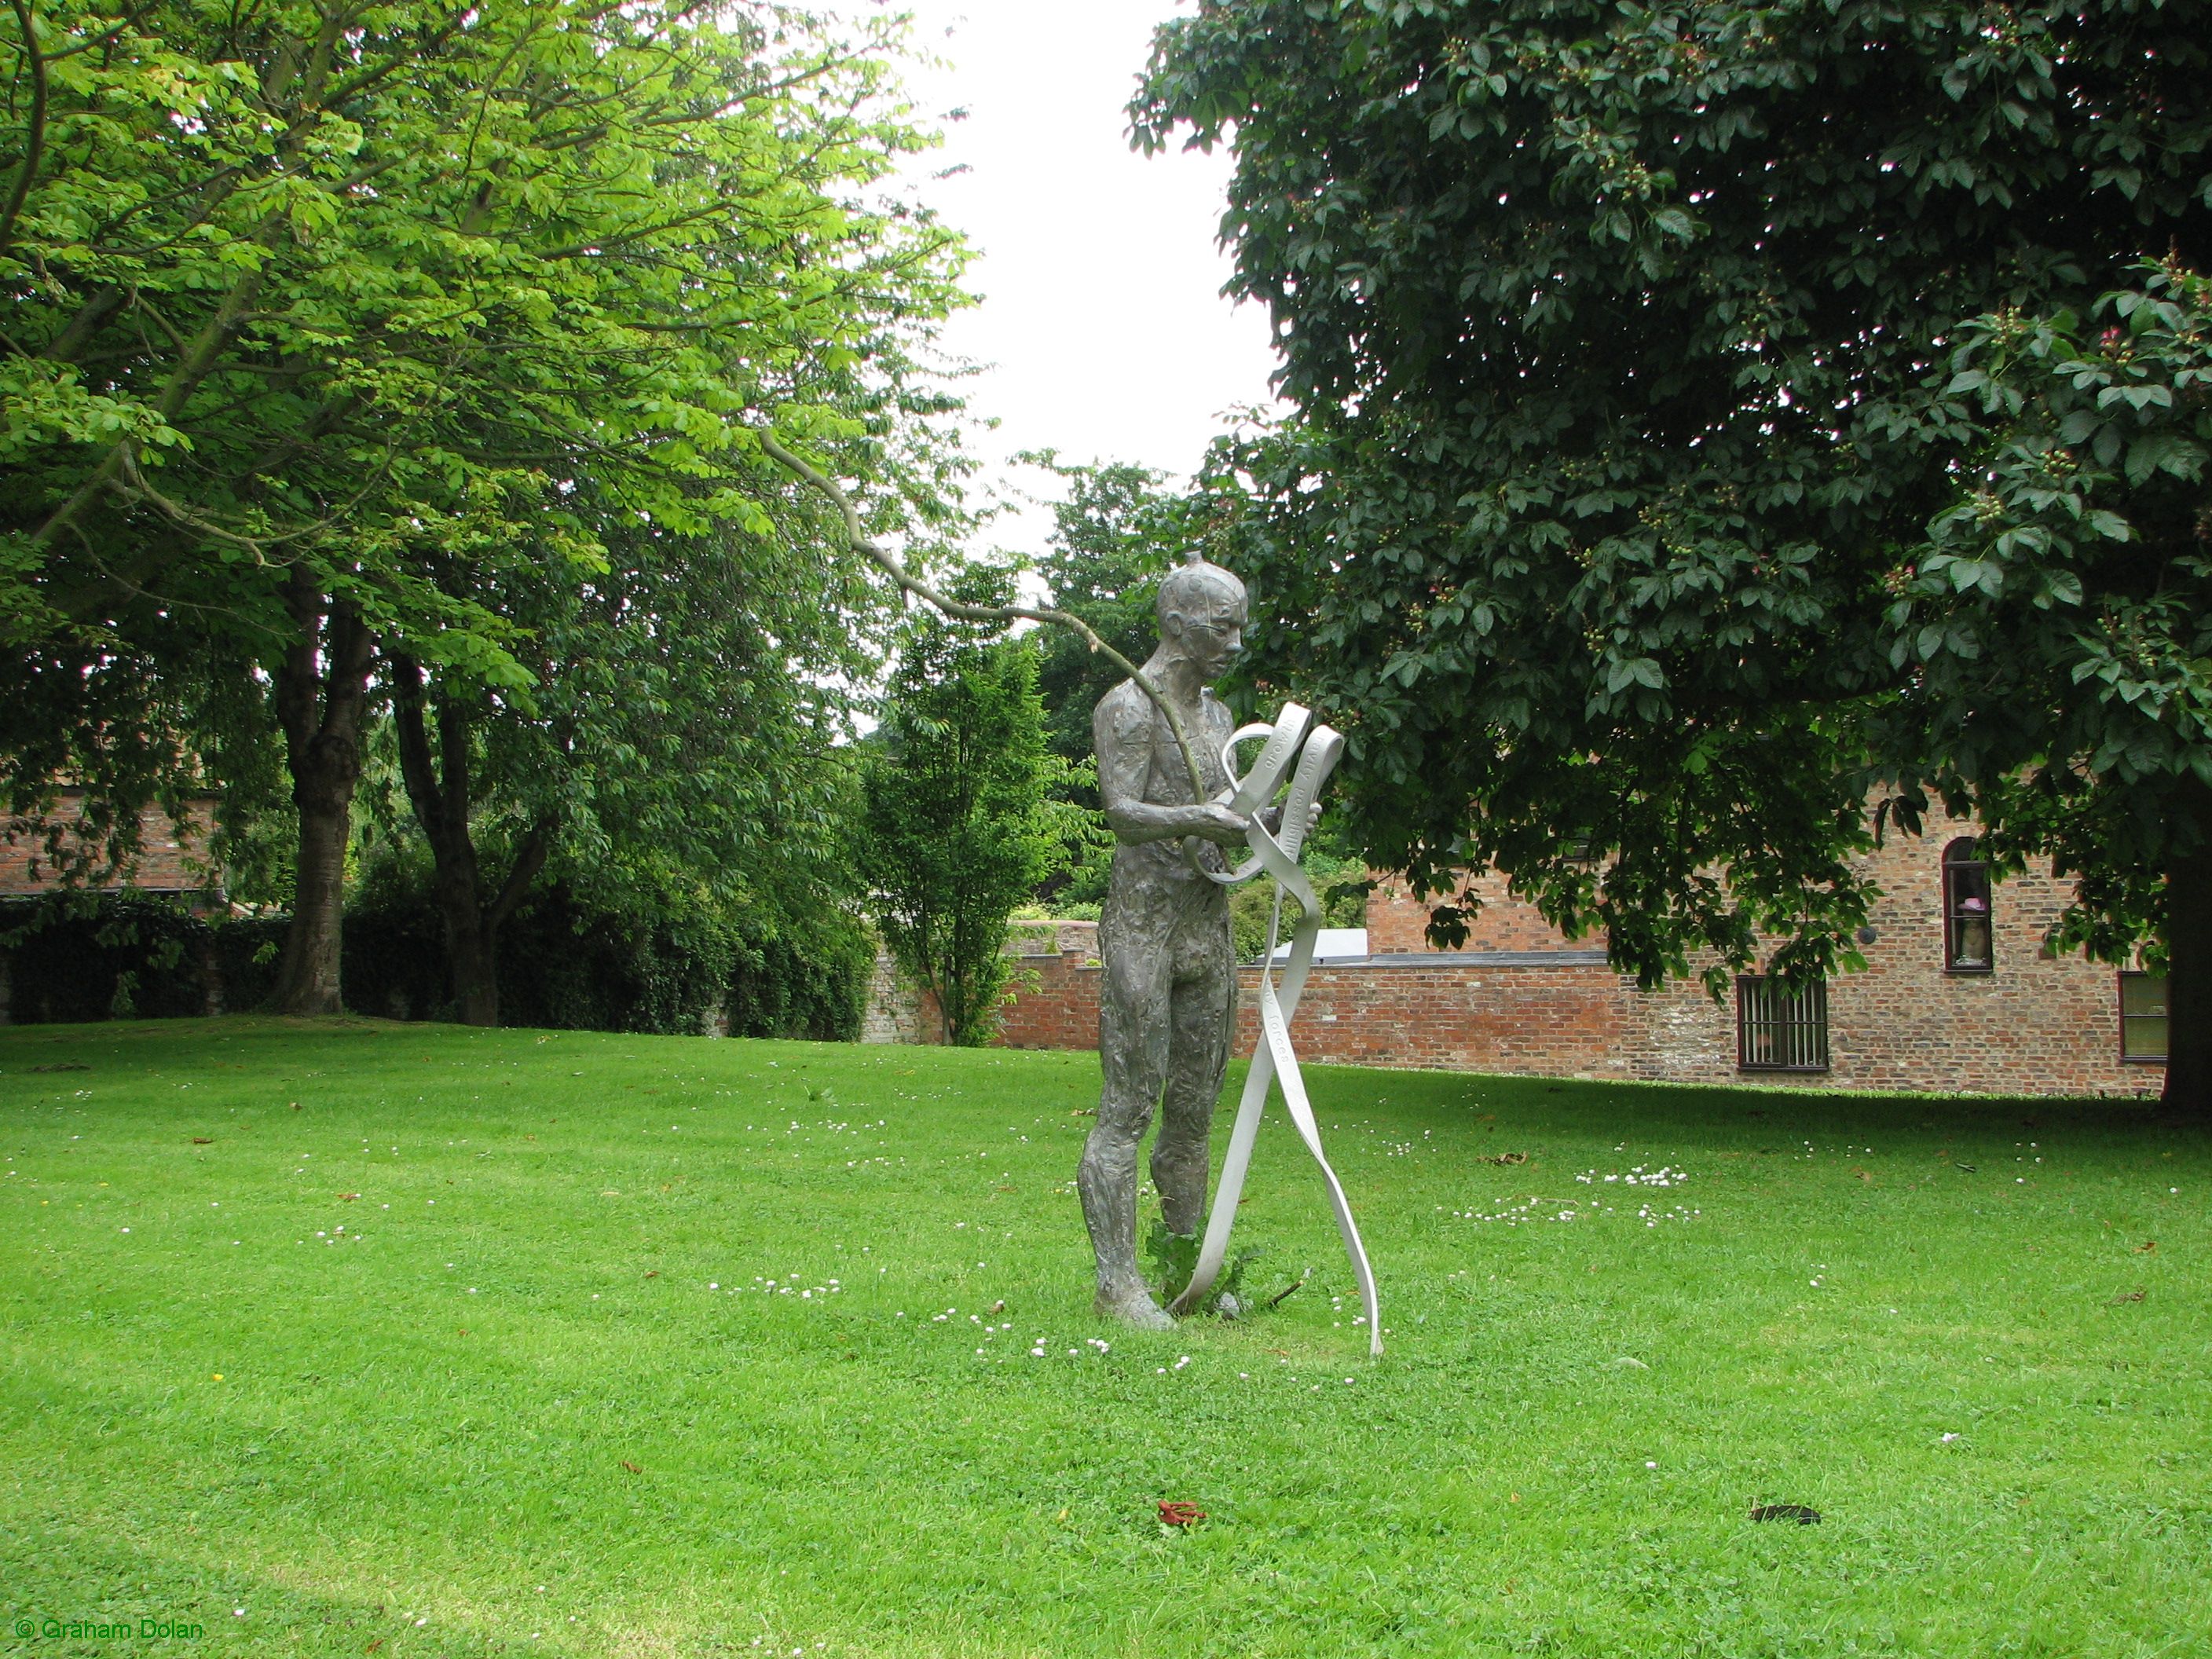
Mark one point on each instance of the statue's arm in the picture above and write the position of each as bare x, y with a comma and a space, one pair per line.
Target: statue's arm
1121, 732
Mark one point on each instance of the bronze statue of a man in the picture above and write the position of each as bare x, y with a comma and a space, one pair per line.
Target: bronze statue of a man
1169, 996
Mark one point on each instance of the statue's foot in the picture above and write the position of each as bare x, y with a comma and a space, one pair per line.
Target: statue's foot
1134, 1308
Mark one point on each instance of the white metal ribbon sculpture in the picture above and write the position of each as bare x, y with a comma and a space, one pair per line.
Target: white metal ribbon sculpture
1276, 855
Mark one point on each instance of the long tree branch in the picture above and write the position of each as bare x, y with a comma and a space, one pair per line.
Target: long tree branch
415, 771
857, 535
190, 371
35, 141
529, 859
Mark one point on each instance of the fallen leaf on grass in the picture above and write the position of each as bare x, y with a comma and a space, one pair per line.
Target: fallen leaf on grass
1797, 1512
2136, 1295
348, 1198
202, 1140
631, 1467
652, 1273
2149, 1247
1180, 1514
1505, 1157
379, 1642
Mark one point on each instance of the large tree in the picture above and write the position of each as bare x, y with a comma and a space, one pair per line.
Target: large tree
959, 823
684, 706
310, 304
1620, 342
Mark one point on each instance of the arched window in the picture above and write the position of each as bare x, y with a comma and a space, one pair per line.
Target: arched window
1966, 933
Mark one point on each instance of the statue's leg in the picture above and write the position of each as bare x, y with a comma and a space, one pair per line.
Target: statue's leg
1202, 1014
1132, 1052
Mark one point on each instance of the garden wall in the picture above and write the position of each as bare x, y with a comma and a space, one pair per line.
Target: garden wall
1523, 1001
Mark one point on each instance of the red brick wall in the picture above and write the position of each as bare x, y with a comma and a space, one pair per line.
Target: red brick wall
1560, 1019
171, 858
1054, 987
1553, 1020
2035, 1025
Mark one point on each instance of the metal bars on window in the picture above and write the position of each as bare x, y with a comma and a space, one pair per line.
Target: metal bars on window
1779, 1028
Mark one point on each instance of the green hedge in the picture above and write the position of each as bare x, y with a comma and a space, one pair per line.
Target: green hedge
119, 956
564, 967
109, 955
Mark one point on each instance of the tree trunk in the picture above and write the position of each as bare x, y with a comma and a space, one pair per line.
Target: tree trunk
2188, 986
441, 793
322, 688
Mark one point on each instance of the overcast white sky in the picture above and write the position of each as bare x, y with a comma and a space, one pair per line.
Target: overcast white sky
1102, 320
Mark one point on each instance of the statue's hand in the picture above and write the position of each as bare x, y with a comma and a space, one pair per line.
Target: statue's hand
1216, 822
1272, 817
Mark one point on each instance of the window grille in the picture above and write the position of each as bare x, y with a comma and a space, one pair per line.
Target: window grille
1968, 923
2142, 1018
1778, 1028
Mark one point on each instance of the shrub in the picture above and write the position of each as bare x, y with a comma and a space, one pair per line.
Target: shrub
74, 957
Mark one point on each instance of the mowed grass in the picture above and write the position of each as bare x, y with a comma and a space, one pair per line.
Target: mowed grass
353, 1338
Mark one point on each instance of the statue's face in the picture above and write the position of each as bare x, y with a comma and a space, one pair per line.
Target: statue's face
1210, 633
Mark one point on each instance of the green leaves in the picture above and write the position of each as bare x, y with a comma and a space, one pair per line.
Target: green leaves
346, 291
463, 316
1719, 388
959, 823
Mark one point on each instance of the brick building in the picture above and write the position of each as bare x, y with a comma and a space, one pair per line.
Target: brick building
1958, 994
173, 856
79, 977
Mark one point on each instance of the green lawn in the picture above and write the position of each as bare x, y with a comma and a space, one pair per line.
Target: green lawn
345, 1337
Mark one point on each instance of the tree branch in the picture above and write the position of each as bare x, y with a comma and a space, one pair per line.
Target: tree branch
529, 859
407, 725
858, 537
35, 141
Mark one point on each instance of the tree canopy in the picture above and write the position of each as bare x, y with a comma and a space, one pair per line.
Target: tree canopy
1115, 532
1620, 511
334, 329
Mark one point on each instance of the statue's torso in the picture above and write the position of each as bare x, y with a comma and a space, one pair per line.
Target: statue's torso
1167, 779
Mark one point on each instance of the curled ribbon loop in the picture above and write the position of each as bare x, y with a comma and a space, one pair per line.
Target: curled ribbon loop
1316, 749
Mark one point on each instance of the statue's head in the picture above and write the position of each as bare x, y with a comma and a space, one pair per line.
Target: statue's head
1202, 613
